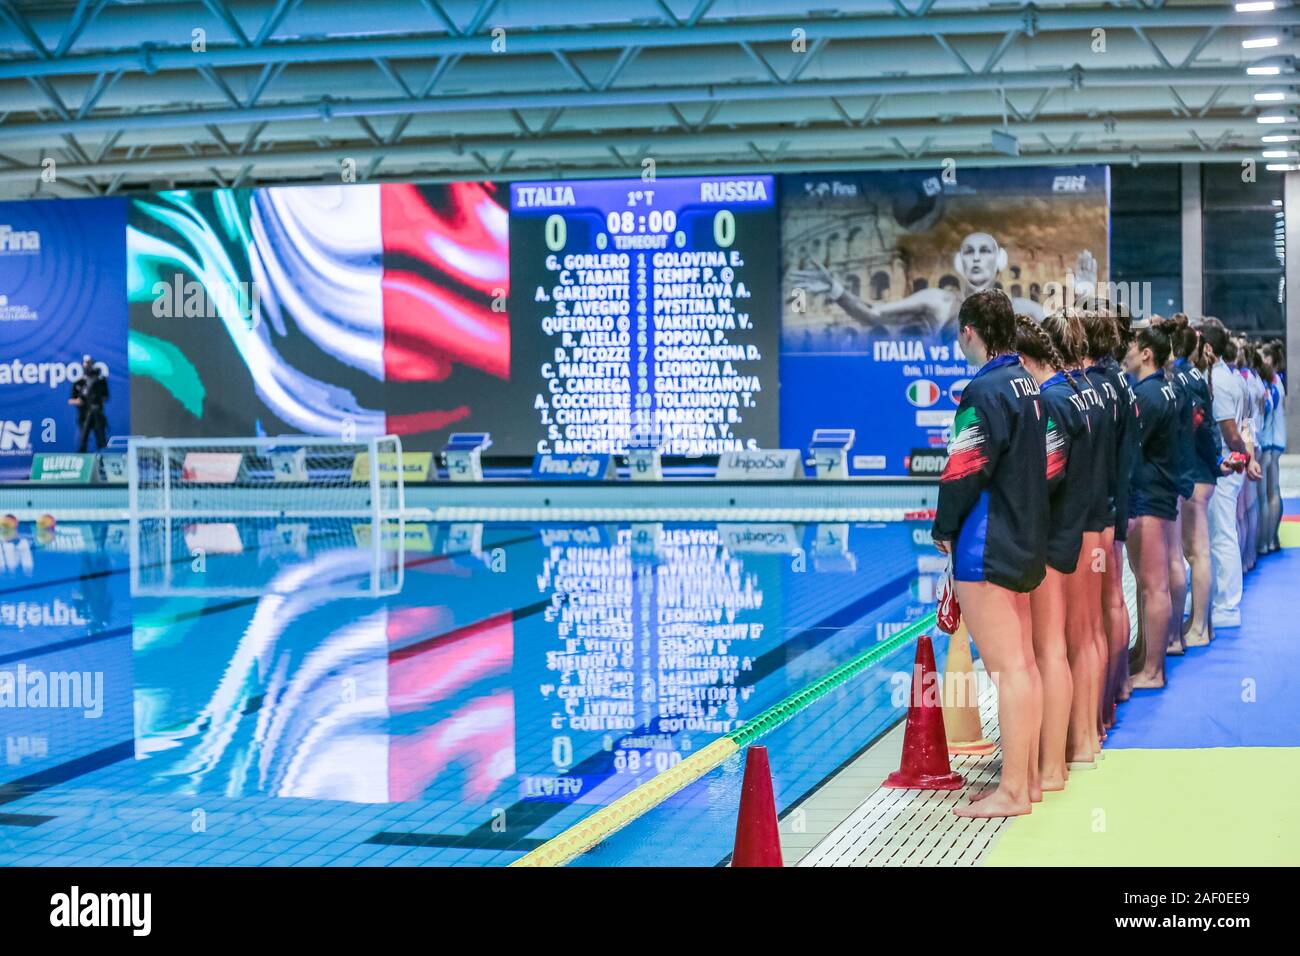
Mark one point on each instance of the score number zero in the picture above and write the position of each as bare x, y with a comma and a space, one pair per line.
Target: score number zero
724, 227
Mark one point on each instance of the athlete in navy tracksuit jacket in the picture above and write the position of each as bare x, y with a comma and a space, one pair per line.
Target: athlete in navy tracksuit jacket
1154, 485
1102, 415
1207, 445
1186, 449
993, 498
1069, 469
1125, 438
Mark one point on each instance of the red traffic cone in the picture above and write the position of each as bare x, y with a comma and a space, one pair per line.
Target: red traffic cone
758, 842
925, 745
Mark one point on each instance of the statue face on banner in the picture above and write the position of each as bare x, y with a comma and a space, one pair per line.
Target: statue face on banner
979, 261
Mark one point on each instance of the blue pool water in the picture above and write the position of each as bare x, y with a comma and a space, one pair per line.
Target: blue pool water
304, 692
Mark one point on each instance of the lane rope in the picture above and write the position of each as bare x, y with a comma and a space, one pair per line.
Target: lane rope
599, 826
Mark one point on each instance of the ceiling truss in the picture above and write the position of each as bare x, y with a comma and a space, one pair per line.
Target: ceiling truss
237, 92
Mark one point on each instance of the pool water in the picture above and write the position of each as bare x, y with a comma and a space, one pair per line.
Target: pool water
320, 692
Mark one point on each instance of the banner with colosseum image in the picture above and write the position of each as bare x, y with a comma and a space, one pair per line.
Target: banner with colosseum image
875, 268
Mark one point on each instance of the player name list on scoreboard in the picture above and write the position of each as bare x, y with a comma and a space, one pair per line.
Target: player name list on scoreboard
651, 312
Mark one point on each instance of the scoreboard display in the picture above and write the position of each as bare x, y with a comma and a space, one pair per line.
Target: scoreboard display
644, 310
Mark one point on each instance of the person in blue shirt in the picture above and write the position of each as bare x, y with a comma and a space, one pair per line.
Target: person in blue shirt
1180, 380
1085, 633
1154, 497
1069, 477
1256, 403
1273, 444
992, 516
1111, 628
1203, 467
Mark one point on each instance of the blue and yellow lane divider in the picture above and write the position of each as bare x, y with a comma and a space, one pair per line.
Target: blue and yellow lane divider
597, 827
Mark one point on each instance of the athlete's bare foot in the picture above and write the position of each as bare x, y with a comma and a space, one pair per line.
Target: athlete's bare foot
1175, 649
1145, 681
1199, 638
997, 803
1054, 781
1082, 761
1125, 690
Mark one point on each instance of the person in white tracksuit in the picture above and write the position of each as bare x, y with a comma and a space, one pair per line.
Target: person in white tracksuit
1229, 408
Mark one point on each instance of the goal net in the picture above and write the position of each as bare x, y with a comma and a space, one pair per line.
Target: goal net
281, 477
242, 557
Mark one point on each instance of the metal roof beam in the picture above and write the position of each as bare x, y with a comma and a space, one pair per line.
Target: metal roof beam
728, 166
545, 41
29, 35
975, 131
273, 20
80, 19
1070, 78
227, 17
940, 39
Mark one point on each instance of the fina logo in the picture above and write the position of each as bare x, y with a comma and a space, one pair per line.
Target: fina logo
832, 189
579, 466
923, 393
17, 241
15, 436
1070, 184
956, 389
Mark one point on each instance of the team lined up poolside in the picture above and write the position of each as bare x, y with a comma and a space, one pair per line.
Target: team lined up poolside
1081, 437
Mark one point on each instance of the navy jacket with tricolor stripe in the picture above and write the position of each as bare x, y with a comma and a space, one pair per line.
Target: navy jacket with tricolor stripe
993, 496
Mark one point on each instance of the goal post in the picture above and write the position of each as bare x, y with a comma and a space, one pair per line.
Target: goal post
319, 514
241, 557
271, 477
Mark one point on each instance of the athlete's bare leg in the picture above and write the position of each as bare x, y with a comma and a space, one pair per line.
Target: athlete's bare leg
1177, 582
1082, 605
1196, 546
1001, 625
1047, 604
1118, 626
1149, 558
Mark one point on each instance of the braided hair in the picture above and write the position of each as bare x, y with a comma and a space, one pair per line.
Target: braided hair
1036, 342
1065, 327
1033, 341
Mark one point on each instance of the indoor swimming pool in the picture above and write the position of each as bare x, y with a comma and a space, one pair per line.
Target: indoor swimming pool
324, 692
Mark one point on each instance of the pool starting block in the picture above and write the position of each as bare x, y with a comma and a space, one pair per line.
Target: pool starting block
644, 458
112, 460
289, 464
829, 449
463, 455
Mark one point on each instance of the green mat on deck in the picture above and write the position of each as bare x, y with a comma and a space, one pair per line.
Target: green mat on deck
1217, 807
